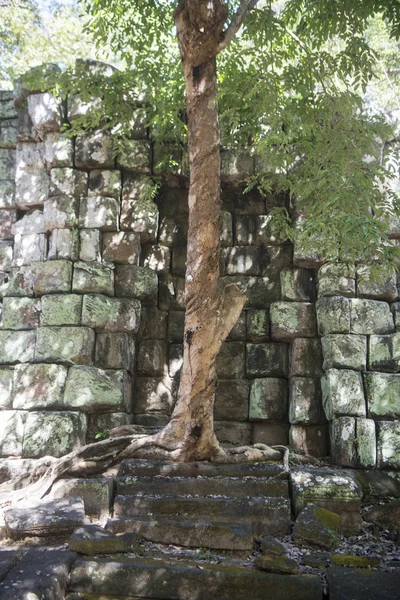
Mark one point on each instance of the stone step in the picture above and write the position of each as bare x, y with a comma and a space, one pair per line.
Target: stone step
221, 536
152, 468
267, 516
231, 487
145, 578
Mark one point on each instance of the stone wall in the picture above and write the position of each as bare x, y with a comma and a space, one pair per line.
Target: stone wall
92, 278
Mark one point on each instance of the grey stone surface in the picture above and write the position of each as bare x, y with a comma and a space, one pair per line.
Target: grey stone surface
136, 282
89, 249
93, 540
382, 391
98, 212
29, 248
39, 386
153, 395
317, 527
104, 422
384, 352
115, 351
298, 285
31, 188
52, 277
6, 388
90, 390
138, 211
121, 247
346, 583
53, 433
176, 322
366, 442
233, 433
270, 433
11, 432
310, 440
58, 150
60, 309
178, 266
336, 280
388, 444
267, 360
152, 358
153, 323
254, 230
7, 163
68, 345
343, 393
344, 351
110, 314
171, 292
292, 319
45, 111
257, 325
231, 400
67, 181
377, 290
370, 317
8, 133
175, 360
7, 219
238, 331
19, 282
156, 257
20, 313
333, 315
17, 346
94, 151
31, 222
60, 212
6, 256
305, 401
105, 183
236, 166
260, 291
343, 441
268, 399
243, 260
173, 231
7, 194
230, 361
97, 494
91, 278
306, 358
135, 157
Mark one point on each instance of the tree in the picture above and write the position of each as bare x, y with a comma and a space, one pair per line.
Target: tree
288, 74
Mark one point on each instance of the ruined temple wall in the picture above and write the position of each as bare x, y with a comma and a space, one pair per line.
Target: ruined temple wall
92, 279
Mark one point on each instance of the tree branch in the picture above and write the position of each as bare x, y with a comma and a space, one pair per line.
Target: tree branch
237, 21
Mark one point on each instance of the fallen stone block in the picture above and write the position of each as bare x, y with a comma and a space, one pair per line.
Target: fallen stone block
93, 540
316, 526
276, 564
96, 493
347, 582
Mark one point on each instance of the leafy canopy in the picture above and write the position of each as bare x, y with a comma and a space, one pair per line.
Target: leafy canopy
291, 87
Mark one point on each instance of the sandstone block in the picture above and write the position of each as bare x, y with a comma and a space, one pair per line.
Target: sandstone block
8, 133
175, 360
305, 401
19, 282
243, 261
45, 111
31, 222
336, 280
63, 243
344, 351
153, 395
110, 314
267, 360
298, 285
20, 313
99, 212
316, 526
97, 494
78, 108
52, 277
7, 219
39, 386
89, 250
61, 310
90, 278
60, 212
271, 434
236, 166
384, 352
152, 358
68, 182
136, 282
17, 346
153, 323
306, 358
115, 351
138, 211
231, 361
179, 255
58, 150
6, 388
105, 183
254, 230
11, 432
121, 247
260, 291
176, 322
292, 319
388, 444
268, 399
343, 394
171, 294
310, 440
31, 187
94, 150
53, 433
382, 391
29, 248
370, 316
136, 157
93, 390
395, 309
238, 331
68, 345
7, 194
233, 433
365, 442
231, 400
333, 315
377, 290
7, 108
157, 258
173, 231
343, 441
6, 256
257, 325
226, 236
7, 163
104, 423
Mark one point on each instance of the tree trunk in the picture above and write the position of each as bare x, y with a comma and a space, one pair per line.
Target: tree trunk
210, 315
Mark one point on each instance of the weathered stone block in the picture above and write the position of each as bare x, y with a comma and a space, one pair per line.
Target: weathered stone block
157, 258
7, 108
257, 325
31, 187
343, 441
19, 282
267, 360
105, 183
153, 395
68, 182
336, 280
388, 444
382, 391
69, 345
7, 194
99, 212
153, 323
45, 111
370, 316
6, 256
97, 494
136, 282
271, 434
104, 423
260, 291
226, 236
152, 358
115, 351
29, 248
61, 310
176, 323
344, 351
292, 319
268, 399
60, 212
175, 360
231, 400
254, 230
135, 157
233, 433
17, 346
307, 257
298, 285
90, 278
238, 331
20, 313
365, 442
231, 361
6, 388
63, 243
384, 352
121, 247
39, 386
243, 261
310, 440
53, 433
110, 314
94, 150
173, 231
7, 163
236, 166
138, 211
306, 358
52, 277
7, 219
305, 401
11, 432
377, 290
171, 292
333, 315
32, 222
78, 108
93, 390
58, 150
8, 133
343, 394
179, 255
89, 250
173, 202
